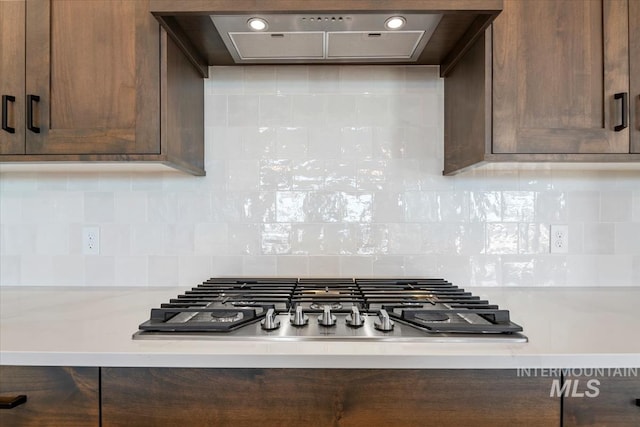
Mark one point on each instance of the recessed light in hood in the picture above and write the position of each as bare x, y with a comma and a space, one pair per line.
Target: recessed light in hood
306, 38
395, 23
257, 24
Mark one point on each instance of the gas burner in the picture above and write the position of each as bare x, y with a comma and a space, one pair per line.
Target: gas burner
244, 303
321, 305
324, 292
431, 299
226, 316
431, 317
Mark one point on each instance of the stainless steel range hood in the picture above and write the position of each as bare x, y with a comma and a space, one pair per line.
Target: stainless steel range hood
319, 38
215, 32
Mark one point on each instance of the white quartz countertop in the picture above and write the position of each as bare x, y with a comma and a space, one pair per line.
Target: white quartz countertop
86, 326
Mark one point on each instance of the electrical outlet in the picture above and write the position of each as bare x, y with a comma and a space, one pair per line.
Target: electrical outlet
559, 239
91, 240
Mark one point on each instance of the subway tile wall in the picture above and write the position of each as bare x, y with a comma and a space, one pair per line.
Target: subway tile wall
322, 171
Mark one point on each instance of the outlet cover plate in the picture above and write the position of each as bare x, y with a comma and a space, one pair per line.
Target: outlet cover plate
91, 240
559, 239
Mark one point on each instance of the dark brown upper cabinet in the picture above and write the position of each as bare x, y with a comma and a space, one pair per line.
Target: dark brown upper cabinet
96, 81
550, 81
634, 74
189, 23
12, 66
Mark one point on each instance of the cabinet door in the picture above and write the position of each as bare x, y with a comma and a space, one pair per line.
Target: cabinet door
557, 65
325, 397
615, 404
12, 24
95, 67
634, 67
56, 396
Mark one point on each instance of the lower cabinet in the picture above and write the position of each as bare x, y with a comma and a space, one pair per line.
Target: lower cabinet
614, 401
156, 397
325, 397
56, 396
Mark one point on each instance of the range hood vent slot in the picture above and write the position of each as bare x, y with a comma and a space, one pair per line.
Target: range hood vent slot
284, 45
379, 45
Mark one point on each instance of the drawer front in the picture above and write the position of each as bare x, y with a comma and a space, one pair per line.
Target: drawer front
324, 397
603, 400
56, 396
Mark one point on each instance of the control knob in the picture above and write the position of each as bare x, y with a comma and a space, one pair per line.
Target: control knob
270, 322
326, 318
383, 323
299, 318
355, 319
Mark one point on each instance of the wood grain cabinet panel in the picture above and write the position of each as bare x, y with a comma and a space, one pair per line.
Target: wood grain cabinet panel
94, 65
96, 76
12, 63
324, 397
541, 86
614, 406
634, 74
556, 68
56, 396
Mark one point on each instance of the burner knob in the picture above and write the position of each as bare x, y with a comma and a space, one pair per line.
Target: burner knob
270, 322
326, 318
299, 318
355, 319
384, 324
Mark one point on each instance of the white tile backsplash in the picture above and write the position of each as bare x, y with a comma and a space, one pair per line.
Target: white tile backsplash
163, 270
584, 206
292, 266
322, 171
636, 205
132, 270
635, 269
627, 238
599, 238
99, 270
502, 238
616, 206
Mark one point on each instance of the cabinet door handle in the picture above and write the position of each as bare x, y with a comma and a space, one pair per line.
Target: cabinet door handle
30, 101
12, 401
624, 96
5, 113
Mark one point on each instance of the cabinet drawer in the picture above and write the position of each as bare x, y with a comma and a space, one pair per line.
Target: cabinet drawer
614, 405
56, 396
323, 397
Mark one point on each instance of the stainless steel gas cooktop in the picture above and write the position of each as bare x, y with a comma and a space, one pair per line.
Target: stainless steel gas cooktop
418, 310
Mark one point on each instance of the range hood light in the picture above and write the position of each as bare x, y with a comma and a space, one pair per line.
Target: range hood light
395, 23
257, 24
